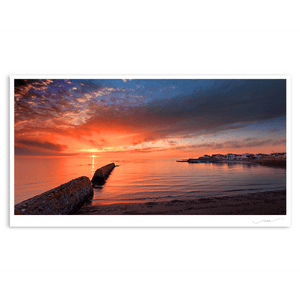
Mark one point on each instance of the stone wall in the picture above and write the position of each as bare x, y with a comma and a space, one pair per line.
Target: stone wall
63, 200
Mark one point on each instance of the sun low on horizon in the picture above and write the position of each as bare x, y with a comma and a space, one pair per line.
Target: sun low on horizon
149, 117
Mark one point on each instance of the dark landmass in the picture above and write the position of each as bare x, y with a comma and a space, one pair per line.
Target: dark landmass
279, 163
269, 162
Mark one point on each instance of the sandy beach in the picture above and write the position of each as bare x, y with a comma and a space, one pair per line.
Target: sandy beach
265, 203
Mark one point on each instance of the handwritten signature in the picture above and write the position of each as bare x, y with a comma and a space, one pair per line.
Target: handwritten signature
267, 221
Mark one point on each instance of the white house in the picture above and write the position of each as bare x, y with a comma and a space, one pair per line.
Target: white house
245, 155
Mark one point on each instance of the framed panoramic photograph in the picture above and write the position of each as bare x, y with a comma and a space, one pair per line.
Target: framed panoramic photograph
149, 151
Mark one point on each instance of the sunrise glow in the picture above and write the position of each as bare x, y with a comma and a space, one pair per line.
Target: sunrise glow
147, 117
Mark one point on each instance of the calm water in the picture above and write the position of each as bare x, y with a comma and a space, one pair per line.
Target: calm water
146, 180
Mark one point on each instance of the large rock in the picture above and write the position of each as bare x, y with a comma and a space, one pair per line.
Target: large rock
63, 200
101, 174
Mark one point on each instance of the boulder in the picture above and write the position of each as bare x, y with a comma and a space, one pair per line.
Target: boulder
63, 200
101, 174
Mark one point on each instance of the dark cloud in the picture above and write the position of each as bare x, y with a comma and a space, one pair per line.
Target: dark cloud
23, 151
227, 102
40, 144
230, 105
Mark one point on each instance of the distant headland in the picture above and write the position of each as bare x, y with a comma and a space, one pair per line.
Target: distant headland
273, 159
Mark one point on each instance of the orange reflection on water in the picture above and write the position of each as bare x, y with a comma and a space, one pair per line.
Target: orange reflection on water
36, 175
141, 181
93, 163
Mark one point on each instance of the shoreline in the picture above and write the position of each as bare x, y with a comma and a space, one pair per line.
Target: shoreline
262, 203
273, 163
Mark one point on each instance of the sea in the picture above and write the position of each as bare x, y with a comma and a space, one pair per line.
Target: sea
143, 180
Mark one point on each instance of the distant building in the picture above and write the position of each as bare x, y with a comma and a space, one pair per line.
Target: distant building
279, 155
262, 155
218, 156
230, 156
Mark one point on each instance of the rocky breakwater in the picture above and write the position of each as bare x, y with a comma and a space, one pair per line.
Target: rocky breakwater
101, 174
63, 200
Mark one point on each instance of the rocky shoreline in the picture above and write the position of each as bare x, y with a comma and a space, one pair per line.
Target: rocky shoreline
275, 163
67, 198
264, 203
62, 200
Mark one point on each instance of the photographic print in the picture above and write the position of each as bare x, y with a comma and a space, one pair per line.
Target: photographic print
149, 151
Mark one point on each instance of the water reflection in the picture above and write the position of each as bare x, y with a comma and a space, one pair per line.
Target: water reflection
157, 179
231, 166
35, 175
148, 179
234, 165
93, 163
248, 166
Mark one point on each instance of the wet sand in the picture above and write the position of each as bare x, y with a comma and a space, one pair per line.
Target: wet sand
265, 203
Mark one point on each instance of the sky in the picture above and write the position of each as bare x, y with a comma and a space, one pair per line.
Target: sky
149, 118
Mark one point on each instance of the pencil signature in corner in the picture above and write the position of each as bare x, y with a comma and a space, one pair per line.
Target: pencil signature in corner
267, 221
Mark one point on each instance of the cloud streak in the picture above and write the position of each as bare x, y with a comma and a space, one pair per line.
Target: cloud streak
228, 145
40, 144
